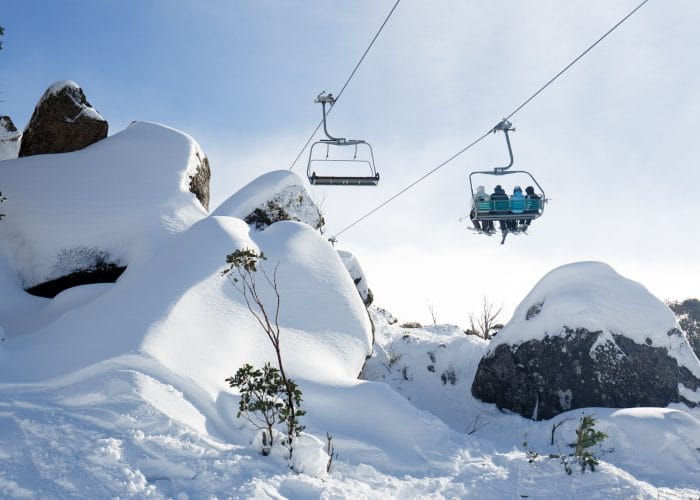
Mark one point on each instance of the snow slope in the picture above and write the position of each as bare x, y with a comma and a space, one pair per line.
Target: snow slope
118, 390
649, 452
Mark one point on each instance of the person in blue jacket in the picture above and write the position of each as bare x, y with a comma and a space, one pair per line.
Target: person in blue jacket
517, 205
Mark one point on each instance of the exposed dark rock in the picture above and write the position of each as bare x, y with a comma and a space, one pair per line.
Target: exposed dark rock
63, 121
260, 218
108, 274
541, 378
199, 182
78, 266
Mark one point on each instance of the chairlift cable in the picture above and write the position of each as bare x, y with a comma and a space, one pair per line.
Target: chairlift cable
475, 142
335, 236
576, 60
357, 66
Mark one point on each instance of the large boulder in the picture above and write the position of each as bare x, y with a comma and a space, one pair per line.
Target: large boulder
63, 121
587, 337
9, 139
275, 196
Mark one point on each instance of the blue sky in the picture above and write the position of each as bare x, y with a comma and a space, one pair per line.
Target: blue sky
611, 142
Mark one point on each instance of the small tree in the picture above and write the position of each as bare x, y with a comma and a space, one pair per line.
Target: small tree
262, 399
586, 438
2, 198
486, 323
243, 268
433, 314
2, 32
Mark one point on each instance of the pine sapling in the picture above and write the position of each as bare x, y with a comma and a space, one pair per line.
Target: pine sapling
586, 438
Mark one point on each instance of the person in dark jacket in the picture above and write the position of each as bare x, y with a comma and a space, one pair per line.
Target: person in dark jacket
532, 204
497, 197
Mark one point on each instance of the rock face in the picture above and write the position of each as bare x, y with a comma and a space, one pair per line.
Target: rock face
63, 121
199, 182
9, 139
688, 314
587, 337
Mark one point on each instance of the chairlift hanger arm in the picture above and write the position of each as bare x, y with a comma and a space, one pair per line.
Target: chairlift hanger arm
324, 98
505, 126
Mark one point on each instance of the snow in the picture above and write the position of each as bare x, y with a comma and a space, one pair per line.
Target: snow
56, 87
133, 194
593, 296
115, 390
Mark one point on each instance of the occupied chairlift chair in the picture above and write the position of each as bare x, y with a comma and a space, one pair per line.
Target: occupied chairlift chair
500, 210
365, 160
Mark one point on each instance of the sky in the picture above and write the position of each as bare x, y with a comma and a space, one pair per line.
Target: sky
611, 142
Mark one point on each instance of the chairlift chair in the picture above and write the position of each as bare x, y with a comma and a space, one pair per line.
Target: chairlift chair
323, 154
501, 210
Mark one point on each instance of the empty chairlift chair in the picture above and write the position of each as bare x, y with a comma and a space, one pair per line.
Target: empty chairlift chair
349, 162
501, 210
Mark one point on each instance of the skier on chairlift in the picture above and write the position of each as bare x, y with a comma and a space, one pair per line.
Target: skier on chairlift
480, 197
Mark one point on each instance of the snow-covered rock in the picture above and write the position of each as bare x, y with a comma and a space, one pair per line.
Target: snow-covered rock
688, 314
585, 336
62, 121
357, 275
9, 139
98, 207
274, 196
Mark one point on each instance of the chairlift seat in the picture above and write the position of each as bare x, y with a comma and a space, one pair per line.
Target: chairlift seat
330, 180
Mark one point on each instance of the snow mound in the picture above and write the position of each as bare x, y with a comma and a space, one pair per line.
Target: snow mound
274, 196
177, 309
116, 199
593, 296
